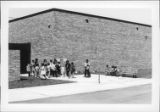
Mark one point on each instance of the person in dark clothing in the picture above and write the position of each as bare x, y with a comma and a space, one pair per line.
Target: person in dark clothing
86, 69
54, 69
68, 67
45, 64
58, 68
55, 73
48, 70
55, 61
114, 71
37, 68
72, 69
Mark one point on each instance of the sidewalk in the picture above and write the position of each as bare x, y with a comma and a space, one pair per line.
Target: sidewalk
82, 85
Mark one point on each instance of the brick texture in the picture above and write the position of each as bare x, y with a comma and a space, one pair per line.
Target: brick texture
14, 65
77, 37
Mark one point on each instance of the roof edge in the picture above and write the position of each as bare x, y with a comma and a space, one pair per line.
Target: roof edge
79, 13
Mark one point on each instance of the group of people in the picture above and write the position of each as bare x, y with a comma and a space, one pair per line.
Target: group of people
111, 70
52, 68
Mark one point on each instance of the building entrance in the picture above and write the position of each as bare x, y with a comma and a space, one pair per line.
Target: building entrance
25, 54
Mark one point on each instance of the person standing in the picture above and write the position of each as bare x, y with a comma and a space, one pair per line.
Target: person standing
56, 65
87, 69
67, 66
63, 68
33, 68
58, 68
52, 67
72, 69
45, 63
48, 70
56, 71
107, 70
28, 68
63, 71
37, 68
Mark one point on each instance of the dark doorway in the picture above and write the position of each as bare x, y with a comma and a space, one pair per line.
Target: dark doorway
25, 54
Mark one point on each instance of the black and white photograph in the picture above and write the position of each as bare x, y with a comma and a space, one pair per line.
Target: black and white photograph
64, 54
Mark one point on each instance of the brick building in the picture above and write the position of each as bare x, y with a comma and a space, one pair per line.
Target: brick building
58, 33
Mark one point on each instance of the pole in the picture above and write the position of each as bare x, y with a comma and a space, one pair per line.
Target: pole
99, 79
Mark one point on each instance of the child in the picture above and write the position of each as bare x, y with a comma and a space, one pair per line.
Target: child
48, 70
107, 70
33, 68
63, 71
28, 68
63, 67
36, 68
43, 72
52, 67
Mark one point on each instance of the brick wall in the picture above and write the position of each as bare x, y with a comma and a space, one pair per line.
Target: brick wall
102, 41
14, 65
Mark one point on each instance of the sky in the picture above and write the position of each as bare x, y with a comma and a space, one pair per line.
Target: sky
139, 15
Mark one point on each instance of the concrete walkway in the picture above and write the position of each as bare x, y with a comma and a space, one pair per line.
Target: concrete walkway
82, 85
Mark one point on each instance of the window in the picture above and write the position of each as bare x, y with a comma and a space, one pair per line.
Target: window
87, 21
49, 26
137, 28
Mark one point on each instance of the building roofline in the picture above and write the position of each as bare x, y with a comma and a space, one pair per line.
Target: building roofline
79, 13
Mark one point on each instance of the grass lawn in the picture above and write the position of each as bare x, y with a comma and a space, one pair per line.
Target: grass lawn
32, 82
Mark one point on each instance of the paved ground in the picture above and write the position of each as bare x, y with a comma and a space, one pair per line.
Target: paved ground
83, 85
136, 94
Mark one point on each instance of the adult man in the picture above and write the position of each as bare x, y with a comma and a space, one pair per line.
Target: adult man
72, 69
58, 68
86, 69
68, 67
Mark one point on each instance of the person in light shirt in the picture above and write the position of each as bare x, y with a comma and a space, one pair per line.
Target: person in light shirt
37, 68
63, 71
52, 68
28, 68
43, 72
107, 70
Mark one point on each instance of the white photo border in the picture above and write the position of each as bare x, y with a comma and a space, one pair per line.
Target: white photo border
153, 107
